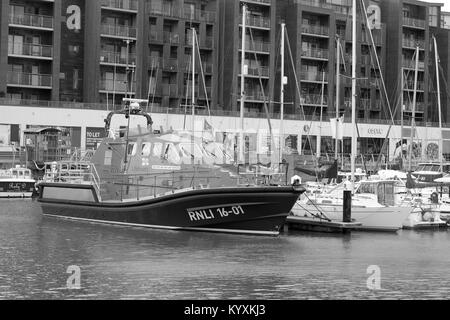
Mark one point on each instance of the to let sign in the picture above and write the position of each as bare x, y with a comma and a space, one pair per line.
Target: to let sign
94, 136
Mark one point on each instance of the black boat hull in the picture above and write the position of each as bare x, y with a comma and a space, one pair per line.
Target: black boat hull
251, 210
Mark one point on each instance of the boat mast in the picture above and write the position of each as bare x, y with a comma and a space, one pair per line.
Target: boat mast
193, 94
401, 117
413, 117
241, 133
321, 114
439, 101
338, 70
354, 141
282, 94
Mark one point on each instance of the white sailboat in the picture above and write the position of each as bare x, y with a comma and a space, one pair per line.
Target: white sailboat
373, 200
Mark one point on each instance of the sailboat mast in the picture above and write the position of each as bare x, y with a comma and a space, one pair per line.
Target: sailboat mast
439, 101
241, 133
338, 70
413, 117
321, 115
193, 93
282, 94
354, 141
401, 117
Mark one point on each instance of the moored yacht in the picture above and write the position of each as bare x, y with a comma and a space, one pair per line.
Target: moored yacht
16, 183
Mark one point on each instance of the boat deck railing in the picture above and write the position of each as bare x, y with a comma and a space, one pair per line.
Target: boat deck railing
261, 175
82, 172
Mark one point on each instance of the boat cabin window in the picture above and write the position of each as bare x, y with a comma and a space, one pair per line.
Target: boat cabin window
132, 149
171, 154
146, 148
367, 188
157, 149
14, 172
108, 157
428, 167
187, 150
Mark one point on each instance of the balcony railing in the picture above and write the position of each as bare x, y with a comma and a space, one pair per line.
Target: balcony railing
254, 96
260, 46
262, 71
313, 76
411, 64
200, 15
412, 22
409, 85
164, 9
420, 106
364, 103
336, 8
413, 43
118, 86
29, 79
32, 20
118, 31
315, 53
131, 5
313, 99
117, 58
170, 37
170, 90
30, 49
258, 1
170, 64
315, 29
155, 36
257, 21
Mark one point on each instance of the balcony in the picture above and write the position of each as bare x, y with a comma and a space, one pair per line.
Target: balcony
413, 43
336, 8
198, 92
377, 39
199, 15
411, 64
413, 22
264, 2
30, 80
121, 5
316, 30
31, 21
155, 36
313, 76
118, 31
313, 99
164, 9
170, 90
30, 50
409, 85
170, 37
116, 58
364, 103
315, 53
170, 65
257, 21
420, 106
262, 71
256, 46
254, 96
118, 86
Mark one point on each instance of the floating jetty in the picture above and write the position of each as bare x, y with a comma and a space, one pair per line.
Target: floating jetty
321, 225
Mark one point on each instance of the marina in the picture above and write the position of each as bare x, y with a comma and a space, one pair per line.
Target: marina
143, 160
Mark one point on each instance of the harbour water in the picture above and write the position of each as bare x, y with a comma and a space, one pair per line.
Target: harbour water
132, 263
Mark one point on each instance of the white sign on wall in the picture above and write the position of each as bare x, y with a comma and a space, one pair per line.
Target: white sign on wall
73, 21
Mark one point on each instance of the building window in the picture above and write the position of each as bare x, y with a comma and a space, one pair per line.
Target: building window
433, 16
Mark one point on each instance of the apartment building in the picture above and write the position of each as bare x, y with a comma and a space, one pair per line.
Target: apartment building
260, 54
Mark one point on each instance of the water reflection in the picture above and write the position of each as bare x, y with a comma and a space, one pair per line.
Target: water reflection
132, 263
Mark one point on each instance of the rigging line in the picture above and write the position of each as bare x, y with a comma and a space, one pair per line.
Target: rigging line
382, 82
149, 85
298, 90
317, 206
203, 76
154, 88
